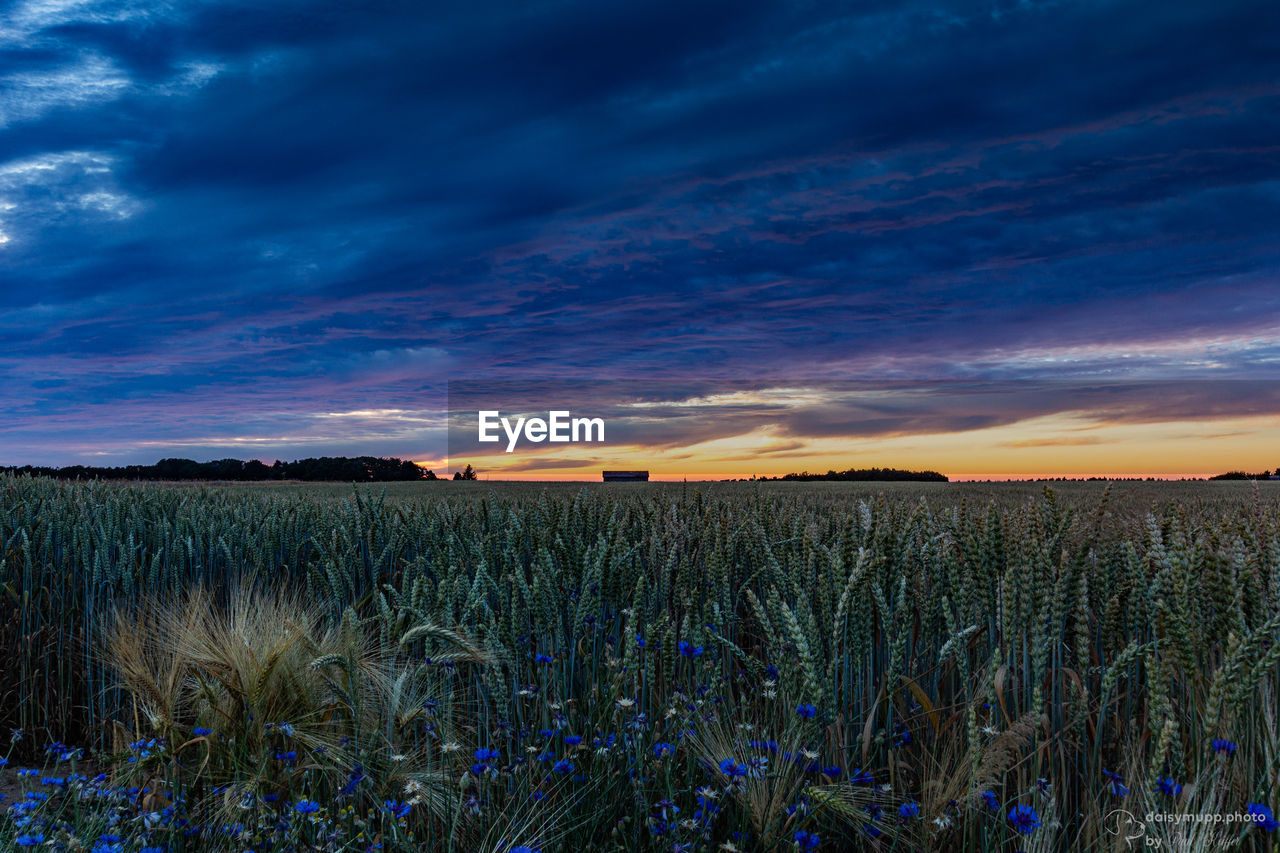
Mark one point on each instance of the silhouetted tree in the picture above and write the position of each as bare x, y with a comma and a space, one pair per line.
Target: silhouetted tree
254, 469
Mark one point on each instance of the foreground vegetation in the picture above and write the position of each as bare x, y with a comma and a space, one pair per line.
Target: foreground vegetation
749, 667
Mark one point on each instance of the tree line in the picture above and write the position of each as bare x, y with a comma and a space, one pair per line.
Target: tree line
1241, 475
874, 474
362, 469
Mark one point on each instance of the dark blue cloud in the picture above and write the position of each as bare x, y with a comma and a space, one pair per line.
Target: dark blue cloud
248, 215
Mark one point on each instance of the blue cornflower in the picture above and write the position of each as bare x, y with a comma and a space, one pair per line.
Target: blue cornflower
1116, 784
354, 779
908, 810
524, 848
1262, 817
201, 731
806, 840
1224, 745
564, 767
732, 768
1024, 819
861, 777
29, 839
542, 658
572, 740
484, 758
397, 808
806, 710
306, 807
1166, 785
689, 650
989, 797
640, 640
661, 749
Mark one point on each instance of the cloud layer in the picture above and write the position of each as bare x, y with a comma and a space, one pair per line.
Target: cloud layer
221, 223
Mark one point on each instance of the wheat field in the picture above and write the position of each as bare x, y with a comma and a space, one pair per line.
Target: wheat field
652, 667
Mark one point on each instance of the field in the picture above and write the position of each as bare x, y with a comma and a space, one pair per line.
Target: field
650, 667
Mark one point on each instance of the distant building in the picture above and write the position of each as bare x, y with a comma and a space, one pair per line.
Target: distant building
626, 476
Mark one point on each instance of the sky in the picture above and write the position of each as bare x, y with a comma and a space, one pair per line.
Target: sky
991, 239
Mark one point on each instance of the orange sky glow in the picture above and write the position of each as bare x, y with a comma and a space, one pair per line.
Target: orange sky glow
1059, 445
